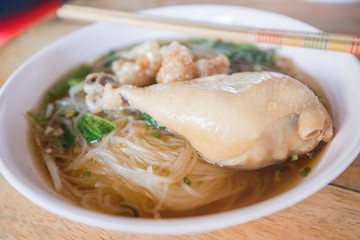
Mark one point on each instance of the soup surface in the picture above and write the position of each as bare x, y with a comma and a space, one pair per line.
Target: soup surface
122, 162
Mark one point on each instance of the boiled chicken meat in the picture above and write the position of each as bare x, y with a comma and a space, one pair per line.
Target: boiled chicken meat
246, 120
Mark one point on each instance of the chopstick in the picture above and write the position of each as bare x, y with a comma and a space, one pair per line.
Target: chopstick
320, 40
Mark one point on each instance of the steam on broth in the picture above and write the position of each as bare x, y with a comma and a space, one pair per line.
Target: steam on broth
123, 162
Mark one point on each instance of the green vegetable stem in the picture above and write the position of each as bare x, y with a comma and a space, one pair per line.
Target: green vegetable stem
133, 210
151, 121
78, 75
109, 58
305, 172
280, 167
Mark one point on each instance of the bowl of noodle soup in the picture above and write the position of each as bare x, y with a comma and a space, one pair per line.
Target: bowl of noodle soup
198, 196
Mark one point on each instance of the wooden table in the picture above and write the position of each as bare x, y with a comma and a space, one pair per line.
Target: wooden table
332, 213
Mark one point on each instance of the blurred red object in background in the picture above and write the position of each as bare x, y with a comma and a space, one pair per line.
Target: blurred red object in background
12, 25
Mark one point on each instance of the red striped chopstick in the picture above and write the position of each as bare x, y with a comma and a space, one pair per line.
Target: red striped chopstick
321, 40
324, 41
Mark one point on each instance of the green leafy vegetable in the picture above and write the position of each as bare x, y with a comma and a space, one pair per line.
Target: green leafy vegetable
93, 127
40, 117
242, 56
80, 72
90, 134
67, 139
135, 213
305, 171
102, 124
294, 157
187, 181
156, 134
72, 82
86, 174
244, 51
151, 121
59, 90
280, 167
109, 58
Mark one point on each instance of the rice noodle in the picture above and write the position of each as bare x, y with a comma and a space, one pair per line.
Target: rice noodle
54, 171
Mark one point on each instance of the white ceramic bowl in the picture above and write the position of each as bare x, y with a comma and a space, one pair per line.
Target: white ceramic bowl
337, 73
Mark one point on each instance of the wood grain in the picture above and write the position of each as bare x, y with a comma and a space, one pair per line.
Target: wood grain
332, 213
349, 179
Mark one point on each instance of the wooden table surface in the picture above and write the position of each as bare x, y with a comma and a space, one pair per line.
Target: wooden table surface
332, 213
